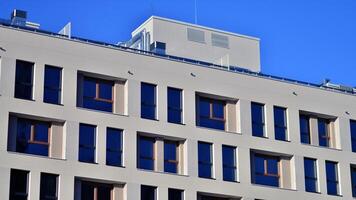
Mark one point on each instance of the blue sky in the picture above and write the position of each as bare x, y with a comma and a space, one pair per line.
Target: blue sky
306, 40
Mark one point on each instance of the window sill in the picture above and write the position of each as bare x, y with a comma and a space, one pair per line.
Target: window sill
25, 99
56, 104
208, 178
218, 130
231, 181
335, 195
34, 155
150, 119
100, 111
176, 123
158, 172
313, 192
268, 186
116, 166
95, 163
264, 137
283, 140
322, 147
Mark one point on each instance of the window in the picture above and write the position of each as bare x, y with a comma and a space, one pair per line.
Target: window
171, 156
98, 94
146, 153
174, 194
148, 101
87, 141
49, 187
324, 133
52, 85
211, 113
353, 135
95, 191
266, 170
205, 160
311, 175
175, 109
280, 123
304, 129
332, 178
114, 147
148, 192
229, 163
353, 180
18, 184
258, 119
24, 80
32, 137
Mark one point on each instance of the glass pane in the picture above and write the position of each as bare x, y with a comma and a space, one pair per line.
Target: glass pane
258, 130
18, 182
148, 112
24, 72
204, 152
323, 132
272, 165
148, 94
259, 164
174, 116
204, 107
87, 135
228, 156
146, 164
353, 134
86, 155
310, 185
257, 112
332, 188
353, 180
267, 180
148, 193
309, 168
114, 139
52, 77
41, 132
280, 133
204, 171
104, 193
48, 186
170, 150
280, 116
229, 174
51, 96
23, 91
87, 191
89, 87
331, 171
174, 194
170, 167
174, 98
218, 109
146, 147
105, 89
113, 158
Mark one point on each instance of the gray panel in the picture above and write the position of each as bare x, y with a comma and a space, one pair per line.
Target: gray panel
219, 40
196, 35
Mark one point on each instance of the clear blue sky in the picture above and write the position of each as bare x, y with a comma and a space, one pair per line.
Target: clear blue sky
306, 40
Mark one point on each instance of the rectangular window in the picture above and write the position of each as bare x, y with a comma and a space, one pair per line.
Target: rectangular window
49, 187
353, 180
280, 123
18, 184
211, 113
87, 143
148, 101
229, 163
95, 191
266, 170
52, 85
148, 192
205, 160
146, 158
332, 178
324, 132
98, 94
175, 194
171, 156
311, 175
24, 80
32, 137
258, 119
175, 105
353, 135
114, 147
304, 121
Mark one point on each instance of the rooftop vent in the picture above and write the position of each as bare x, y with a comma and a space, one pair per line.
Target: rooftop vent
195, 35
219, 40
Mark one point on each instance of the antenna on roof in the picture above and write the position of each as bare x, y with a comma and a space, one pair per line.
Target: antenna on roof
195, 12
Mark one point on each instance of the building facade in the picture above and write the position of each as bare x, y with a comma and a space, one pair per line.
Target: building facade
144, 120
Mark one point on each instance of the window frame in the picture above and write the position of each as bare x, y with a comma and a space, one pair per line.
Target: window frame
58, 90
13, 191
41, 184
308, 134
80, 146
326, 136
175, 162
315, 171
169, 107
234, 167
153, 158
209, 163
337, 174
265, 173
26, 84
278, 126
144, 102
212, 102
121, 151
254, 122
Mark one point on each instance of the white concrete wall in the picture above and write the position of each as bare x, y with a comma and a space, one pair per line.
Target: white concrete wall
74, 56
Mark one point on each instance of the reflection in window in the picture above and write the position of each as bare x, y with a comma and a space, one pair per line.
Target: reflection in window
311, 176
211, 113
205, 160
258, 119
175, 105
114, 147
280, 123
148, 101
52, 85
146, 153
24, 80
87, 143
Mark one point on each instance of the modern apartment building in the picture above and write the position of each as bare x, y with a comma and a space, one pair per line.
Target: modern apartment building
179, 112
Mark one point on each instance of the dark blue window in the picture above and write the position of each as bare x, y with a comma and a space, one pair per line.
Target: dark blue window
229, 163
332, 178
174, 194
24, 80
266, 170
311, 176
211, 113
114, 147
175, 105
146, 153
32, 137
323, 130
205, 160
304, 121
258, 119
98, 94
52, 85
87, 140
280, 123
95, 191
148, 101
148, 192
18, 184
171, 156
353, 180
353, 135
48, 189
